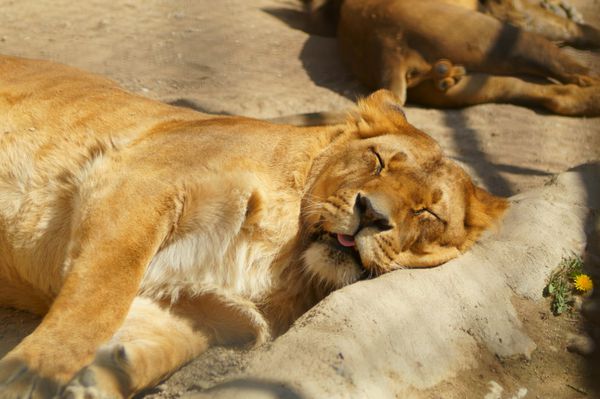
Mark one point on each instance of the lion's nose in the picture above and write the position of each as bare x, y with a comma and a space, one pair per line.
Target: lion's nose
369, 216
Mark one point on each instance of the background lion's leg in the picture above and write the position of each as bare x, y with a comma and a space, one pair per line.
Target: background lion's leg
532, 17
481, 88
157, 338
514, 51
499, 48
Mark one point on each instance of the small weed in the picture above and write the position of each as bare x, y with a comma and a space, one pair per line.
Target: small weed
561, 284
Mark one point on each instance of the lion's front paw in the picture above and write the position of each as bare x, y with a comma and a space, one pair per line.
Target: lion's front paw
18, 381
92, 383
105, 378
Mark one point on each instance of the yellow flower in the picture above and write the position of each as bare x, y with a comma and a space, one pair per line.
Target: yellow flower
583, 283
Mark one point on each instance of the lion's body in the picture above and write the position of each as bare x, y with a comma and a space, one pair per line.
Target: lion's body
412, 46
145, 232
52, 164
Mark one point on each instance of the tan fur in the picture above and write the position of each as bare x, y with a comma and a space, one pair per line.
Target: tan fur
422, 49
146, 232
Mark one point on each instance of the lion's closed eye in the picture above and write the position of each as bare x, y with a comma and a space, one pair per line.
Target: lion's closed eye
428, 213
380, 163
420, 211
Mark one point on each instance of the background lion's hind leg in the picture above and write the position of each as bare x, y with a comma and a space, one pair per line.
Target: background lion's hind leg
478, 88
557, 21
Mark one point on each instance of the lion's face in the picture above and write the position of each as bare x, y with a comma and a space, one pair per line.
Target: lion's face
386, 199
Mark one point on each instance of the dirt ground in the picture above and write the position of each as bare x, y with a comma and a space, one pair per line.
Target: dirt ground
253, 58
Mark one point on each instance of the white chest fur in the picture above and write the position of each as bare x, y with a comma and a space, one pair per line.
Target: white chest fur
228, 255
200, 262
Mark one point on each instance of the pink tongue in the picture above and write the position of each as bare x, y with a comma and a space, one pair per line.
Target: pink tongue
346, 240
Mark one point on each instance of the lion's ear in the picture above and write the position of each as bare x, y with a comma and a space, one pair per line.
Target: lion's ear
383, 102
484, 210
379, 113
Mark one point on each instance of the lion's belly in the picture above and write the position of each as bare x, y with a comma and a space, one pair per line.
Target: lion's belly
40, 175
35, 217
33, 244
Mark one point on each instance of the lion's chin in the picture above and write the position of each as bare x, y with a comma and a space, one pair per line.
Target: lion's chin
330, 265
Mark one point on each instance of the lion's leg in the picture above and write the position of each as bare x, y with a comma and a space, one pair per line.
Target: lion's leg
515, 51
156, 339
112, 245
499, 48
480, 88
152, 343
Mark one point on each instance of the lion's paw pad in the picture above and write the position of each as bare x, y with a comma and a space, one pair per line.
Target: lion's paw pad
80, 392
445, 74
85, 386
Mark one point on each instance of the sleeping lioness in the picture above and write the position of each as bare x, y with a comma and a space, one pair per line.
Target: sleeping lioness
145, 232
454, 53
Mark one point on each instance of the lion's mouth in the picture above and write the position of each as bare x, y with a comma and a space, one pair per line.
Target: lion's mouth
344, 244
345, 240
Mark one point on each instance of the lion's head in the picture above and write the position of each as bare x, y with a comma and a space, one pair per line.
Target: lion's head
386, 198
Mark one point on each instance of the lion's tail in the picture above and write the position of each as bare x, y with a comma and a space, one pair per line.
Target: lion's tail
308, 119
312, 119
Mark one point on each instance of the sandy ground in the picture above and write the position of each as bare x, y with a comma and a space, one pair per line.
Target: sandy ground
253, 58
